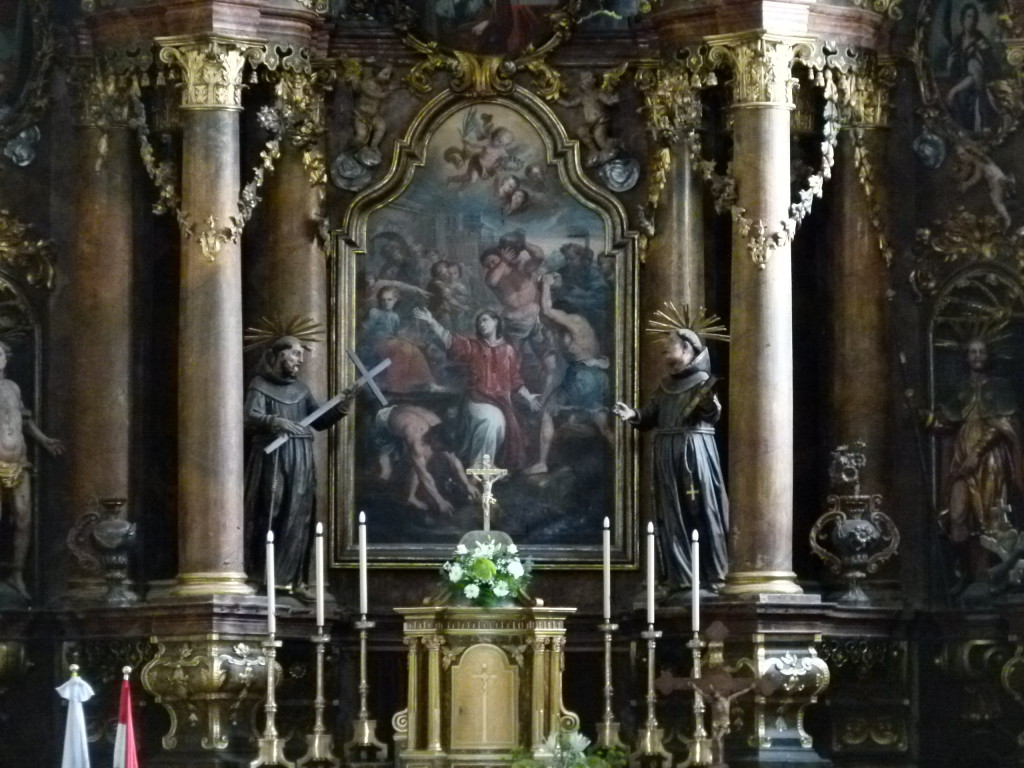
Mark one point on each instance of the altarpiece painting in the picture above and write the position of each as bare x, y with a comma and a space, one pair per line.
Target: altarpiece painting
497, 279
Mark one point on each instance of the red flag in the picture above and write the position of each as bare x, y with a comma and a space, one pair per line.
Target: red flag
124, 743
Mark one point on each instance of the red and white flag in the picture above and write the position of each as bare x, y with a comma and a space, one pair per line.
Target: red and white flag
124, 742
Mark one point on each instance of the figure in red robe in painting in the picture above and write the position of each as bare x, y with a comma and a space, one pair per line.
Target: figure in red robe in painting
502, 26
494, 427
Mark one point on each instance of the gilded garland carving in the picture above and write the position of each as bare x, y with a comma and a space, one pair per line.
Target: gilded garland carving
772, 85
866, 101
25, 255
212, 72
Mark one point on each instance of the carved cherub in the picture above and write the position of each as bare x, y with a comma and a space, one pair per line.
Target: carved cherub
595, 133
369, 90
973, 165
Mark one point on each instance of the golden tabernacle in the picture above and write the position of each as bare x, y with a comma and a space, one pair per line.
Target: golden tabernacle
482, 683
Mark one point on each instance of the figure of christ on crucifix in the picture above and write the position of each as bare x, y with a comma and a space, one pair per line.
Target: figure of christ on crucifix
488, 475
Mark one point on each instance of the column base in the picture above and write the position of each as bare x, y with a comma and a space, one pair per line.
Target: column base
751, 583
203, 584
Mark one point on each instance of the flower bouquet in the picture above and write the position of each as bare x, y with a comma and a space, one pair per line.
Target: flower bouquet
488, 574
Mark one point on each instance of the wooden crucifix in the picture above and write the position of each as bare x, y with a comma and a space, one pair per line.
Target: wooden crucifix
488, 475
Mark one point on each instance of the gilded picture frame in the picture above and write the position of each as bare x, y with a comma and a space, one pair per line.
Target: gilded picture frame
485, 210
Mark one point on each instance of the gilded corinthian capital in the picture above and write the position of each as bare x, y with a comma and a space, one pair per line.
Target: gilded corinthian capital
761, 67
211, 69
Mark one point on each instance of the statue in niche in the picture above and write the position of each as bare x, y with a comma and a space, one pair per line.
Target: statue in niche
15, 483
690, 489
280, 486
983, 484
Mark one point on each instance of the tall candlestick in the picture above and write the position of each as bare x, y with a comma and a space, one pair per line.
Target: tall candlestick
695, 589
362, 563
319, 551
606, 553
650, 573
271, 597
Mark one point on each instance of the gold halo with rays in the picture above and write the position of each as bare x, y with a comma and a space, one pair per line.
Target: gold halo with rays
270, 329
669, 320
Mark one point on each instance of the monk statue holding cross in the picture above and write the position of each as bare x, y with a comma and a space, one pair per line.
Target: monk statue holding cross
280, 475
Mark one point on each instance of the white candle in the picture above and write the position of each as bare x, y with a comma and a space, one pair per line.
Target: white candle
695, 597
271, 607
319, 552
606, 552
362, 563
650, 573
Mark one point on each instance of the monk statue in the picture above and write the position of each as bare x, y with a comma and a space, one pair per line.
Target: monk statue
280, 484
682, 413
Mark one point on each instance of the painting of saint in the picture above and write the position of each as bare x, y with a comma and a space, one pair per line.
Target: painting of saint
493, 287
969, 63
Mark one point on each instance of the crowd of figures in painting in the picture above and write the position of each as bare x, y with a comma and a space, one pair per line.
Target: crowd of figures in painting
491, 289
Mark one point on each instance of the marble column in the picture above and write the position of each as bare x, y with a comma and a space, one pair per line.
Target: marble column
761, 352
210, 370
674, 268
860, 388
100, 310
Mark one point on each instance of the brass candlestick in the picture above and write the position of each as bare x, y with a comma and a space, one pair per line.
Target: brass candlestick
271, 747
608, 728
650, 745
700, 744
364, 736
320, 743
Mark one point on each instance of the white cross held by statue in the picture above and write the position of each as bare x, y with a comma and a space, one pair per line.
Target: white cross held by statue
365, 378
488, 474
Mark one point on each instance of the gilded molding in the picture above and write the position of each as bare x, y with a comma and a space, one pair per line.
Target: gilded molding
211, 69
23, 254
208, 683
891, 8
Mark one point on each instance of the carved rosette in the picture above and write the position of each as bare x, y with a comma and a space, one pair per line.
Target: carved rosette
761, 69
211, 69
208, 685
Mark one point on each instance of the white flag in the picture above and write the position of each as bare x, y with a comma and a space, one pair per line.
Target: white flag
76, 742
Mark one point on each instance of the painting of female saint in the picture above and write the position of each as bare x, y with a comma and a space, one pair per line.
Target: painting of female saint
494, 289
972, 80
486, 27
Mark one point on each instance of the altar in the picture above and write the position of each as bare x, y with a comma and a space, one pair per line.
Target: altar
482, 683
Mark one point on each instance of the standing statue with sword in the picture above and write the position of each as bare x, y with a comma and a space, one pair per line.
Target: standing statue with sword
280, 475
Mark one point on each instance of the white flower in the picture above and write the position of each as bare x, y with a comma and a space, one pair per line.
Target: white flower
577, 741
471, 591
511, 549
455, 574
500, 589
461, 550
515, 568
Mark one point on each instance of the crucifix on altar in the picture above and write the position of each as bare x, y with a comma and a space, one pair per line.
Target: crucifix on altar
488, 475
